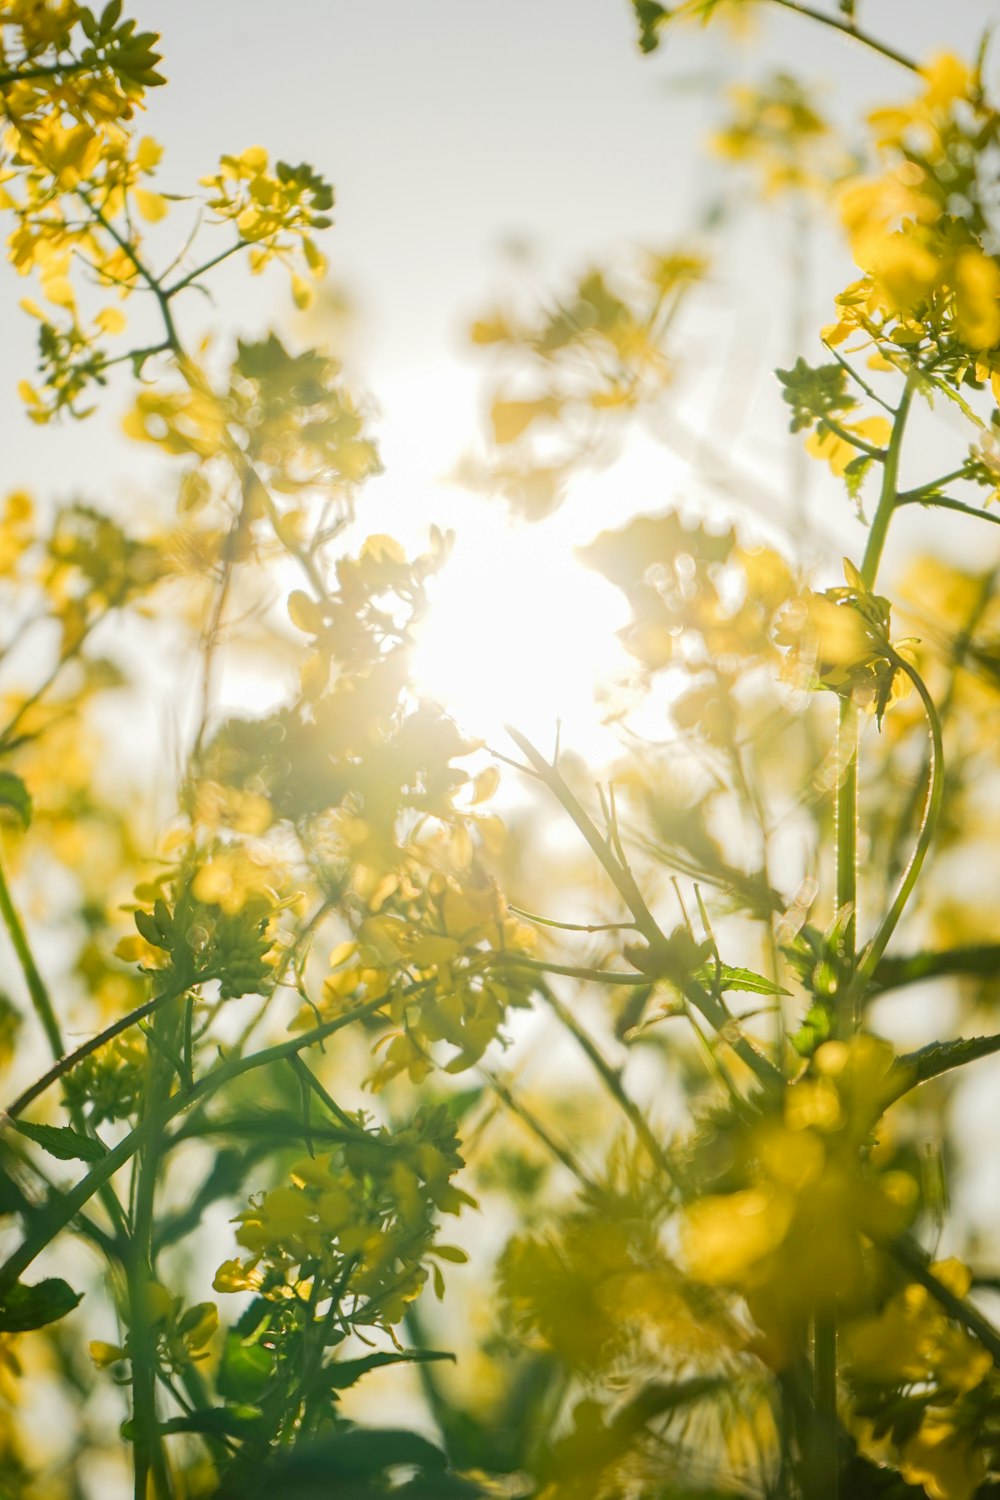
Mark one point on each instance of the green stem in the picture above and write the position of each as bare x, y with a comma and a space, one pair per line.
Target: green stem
570, 971
37, 990
887, 495
915, 1262
846, 814
555, 1148
850, 986
932, 811
847, 436
612, 1081
208, 265
930, 488
869, 390
946, 502
59, 1214
150, 1457
845, 29
978, 960
12, 76
69, 1060
159, 292
709, 1005
824, 1454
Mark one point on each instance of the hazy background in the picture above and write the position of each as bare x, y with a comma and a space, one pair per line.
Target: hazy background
454, 129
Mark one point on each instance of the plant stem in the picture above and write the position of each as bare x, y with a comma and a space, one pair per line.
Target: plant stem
931, 488
980, 960
887, 495
849, 989
824, 1455
612, 1081
846, 818
59, 1213
555, 1148
150, 1458
846, 436
932, 811
913, 1259
570, 971
40, 998
847, 30
709, 1005
69, 1060
946, 502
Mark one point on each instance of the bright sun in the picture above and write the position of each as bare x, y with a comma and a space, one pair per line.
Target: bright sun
519, 632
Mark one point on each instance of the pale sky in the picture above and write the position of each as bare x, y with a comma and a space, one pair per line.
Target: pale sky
452, 128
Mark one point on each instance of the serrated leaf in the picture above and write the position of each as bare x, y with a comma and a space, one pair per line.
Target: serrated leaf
952, 395
15, 797
61, 1142
855, 475
726, 977
347, 1372
937, 1058
26, 1307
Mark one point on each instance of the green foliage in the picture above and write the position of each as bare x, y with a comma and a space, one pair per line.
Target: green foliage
26, 1307
814, 393
61, 1142
15, 799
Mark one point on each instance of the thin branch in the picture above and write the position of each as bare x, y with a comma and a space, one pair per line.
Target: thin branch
946, 502
65, 1064
531, 916
851, 32
37, 989
932, 810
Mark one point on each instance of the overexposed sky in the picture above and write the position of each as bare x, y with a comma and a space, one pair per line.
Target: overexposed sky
454, 130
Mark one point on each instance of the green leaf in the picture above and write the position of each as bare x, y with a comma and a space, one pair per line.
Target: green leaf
61, 1142
725, 977
650, 16
359, 1453
854, 475
928, 382
232, 1421
814, 392
15, 797
246, 1369
937, 1058
347, 1372
815, 1029
27, 1307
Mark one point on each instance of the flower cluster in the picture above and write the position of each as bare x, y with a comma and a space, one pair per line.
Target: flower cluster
350, 1237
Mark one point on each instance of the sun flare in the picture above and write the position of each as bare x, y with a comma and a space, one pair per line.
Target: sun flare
520, 632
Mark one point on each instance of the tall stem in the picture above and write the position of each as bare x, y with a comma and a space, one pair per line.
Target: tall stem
150, 1458
37, 989
848, 990
890, 482
846, 814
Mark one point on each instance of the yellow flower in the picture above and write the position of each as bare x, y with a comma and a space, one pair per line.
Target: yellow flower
948, 79
977, 299
104, 1354
726, 1238
942, 1459
837, 451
